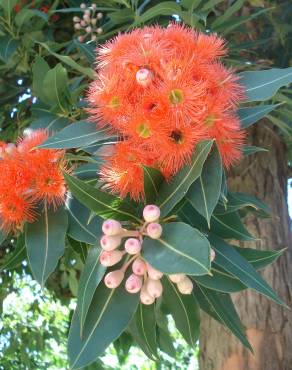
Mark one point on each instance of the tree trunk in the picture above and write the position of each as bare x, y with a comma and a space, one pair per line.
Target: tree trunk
268, 326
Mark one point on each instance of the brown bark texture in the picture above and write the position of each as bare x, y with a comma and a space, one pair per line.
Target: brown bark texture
268, 326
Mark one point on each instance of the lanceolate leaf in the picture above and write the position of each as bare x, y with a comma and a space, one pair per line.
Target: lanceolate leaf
171, 193
80, 248
143, 330
45, 242
224, 282
180, 249
90, 278
205, 191
262, 85
81, 226
163, 8
237, 201
152, 182
14, 259
2, 237
185, 311
231, 261
109, 314
259, 258
250, 115
55, 88
75, 135
248, 150
103, 204
220, 281
228, 226
221, 308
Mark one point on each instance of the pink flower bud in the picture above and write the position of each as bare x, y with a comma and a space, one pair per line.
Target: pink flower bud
76, 19
154, 230
93, 21
153, 273
132, 246
109, 243
145, 297
77, 26
83, 23
111, 227
185, 286
114, 278
87, 12
176, 278
83, 6
134, 283
144, 77
110, 258
99, 15
151, 213
139, 266
154, 287
212, 255
99, 30
81, 38
88, 29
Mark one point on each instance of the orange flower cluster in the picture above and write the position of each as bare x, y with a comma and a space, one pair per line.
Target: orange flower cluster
163, 91
28, 176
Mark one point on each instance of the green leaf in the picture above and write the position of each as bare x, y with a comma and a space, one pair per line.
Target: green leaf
230, 260
263, 85
152, 182
227, 226
55, 88
70, 62
230, 226
103, 204
184, 310
238, 201
80, 248
75, 135
45, 242
205, 191
51, 122
39, 69
248, 150
109, 314
221, 308
171, 193
8, 5
2, 237
8, 46
165, 342
143, 330
14, 259
250, 115
81, 226
180, 249
259, 258
236, 6
163, 8
220, 281
90, 278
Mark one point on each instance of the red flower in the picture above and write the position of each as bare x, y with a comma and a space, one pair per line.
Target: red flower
163, 91
28, 176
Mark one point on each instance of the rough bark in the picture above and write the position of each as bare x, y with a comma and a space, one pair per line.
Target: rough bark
268, 326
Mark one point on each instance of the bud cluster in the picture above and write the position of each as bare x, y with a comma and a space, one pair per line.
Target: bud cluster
143, 278
88, 25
